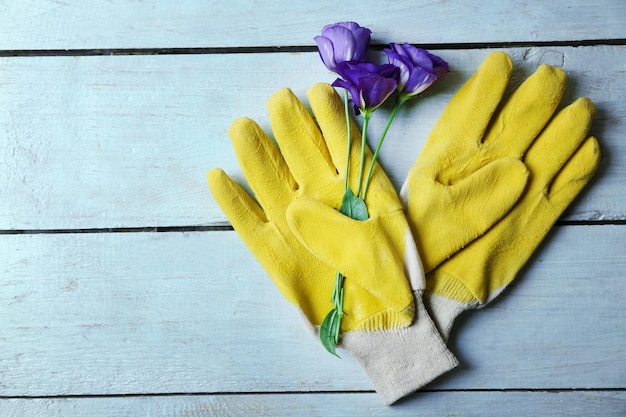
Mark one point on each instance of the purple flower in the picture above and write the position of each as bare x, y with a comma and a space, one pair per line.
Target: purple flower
369, 84
419, 69
343, 41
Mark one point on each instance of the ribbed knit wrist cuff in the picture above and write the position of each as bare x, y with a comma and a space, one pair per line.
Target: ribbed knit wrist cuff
401, 361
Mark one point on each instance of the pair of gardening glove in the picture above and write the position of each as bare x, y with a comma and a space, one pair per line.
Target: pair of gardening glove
491, 180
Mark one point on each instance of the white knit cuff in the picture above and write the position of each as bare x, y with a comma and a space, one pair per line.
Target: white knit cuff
401, 361
444, 311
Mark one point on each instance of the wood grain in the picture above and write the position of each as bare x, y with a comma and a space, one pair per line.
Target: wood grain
458, 404
53, 24
116, 313
111, 113
101, 142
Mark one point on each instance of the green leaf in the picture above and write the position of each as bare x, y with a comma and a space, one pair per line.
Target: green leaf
328, 330
353, 206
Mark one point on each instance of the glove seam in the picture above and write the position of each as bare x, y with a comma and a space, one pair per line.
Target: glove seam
452, 287
387, 319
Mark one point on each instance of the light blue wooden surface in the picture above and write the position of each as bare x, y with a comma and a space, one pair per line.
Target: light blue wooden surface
119, 297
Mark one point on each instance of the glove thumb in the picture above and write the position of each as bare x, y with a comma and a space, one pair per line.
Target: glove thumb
365, 252
325, 232
479, 201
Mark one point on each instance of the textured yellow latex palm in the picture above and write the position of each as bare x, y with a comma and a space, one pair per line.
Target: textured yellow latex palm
473, 157
561, 162
308, 173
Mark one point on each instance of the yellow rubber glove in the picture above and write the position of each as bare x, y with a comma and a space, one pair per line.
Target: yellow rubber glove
561, 162
308, 172
298, 186
473, 156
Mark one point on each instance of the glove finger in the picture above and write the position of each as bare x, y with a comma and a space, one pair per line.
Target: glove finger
575, 175
246, 216
485, 197
300, 140
560, 139
273, 251
262, 164
474, 104
330, 115
526, 112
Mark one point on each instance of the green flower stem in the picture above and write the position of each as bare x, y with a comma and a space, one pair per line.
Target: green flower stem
331, 326
340, 313
338, 304
399, 103
349, 132
366, 118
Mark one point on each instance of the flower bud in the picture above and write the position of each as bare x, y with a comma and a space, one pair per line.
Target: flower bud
343, 41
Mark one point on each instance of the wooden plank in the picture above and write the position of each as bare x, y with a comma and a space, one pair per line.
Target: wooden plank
146, 313
100, 142
50, 24
458, 404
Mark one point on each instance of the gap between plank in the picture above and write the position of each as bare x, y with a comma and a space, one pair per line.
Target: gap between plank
148, 229
224, 228
226, 393
293, 48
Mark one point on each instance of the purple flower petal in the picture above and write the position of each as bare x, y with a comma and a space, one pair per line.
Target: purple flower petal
341, 42
419, 80
369, 84
326, 51
362, 41
375, 90
355, 93
419, 69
